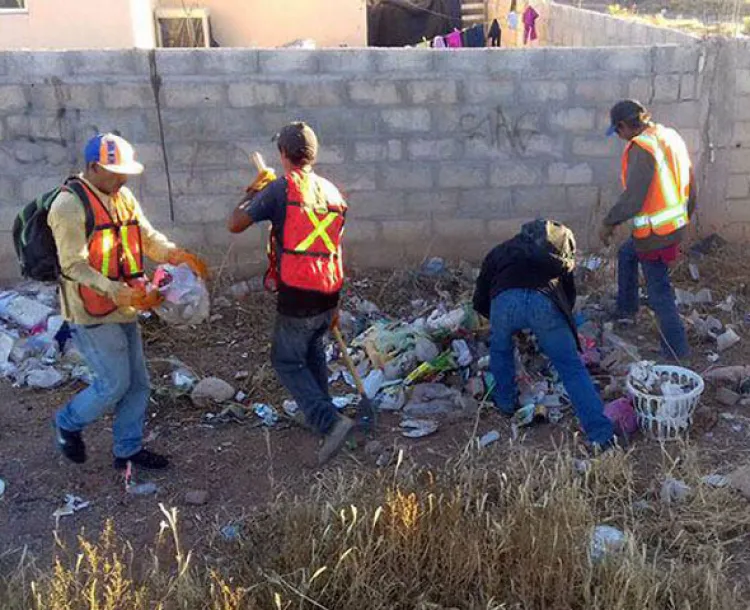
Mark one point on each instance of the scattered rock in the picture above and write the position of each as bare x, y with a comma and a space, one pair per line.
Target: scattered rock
418, 428
674, 490
605, 541
374, 448
727, 397
740, 480
491, 437
726, 340
212, 389
197, 497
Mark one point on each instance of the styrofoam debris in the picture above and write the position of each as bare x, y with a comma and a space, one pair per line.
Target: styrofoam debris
418, 428
491, 437
726, 340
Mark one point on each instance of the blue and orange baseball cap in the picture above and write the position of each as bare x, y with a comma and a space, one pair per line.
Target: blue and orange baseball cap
113, 153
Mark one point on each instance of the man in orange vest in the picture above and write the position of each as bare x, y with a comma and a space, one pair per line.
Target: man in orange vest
307, 215
102, 236
659, 200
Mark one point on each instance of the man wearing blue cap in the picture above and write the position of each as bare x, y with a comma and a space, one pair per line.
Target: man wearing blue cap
659, 200
102, 235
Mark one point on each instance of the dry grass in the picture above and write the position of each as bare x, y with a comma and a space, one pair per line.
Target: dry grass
481, 533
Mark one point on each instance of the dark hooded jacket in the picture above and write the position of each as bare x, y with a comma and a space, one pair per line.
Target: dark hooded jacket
541, 257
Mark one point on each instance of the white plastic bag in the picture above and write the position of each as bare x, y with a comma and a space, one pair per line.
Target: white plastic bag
186, 299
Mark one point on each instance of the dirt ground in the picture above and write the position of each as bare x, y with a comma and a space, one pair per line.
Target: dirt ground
243, 465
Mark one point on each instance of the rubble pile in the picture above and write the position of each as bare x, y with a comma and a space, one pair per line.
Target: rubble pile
35, 349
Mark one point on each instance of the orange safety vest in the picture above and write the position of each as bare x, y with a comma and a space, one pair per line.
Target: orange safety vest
665, 209
311, 254
115, 249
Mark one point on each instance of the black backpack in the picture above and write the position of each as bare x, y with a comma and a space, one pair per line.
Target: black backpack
32, 238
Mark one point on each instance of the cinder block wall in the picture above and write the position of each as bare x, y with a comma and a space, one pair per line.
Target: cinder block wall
439, 153
573, 27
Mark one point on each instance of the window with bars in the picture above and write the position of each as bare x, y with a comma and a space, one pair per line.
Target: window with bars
12, 5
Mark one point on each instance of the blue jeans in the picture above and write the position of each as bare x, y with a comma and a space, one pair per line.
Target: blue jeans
519, 309
660, 298
114, 354
299, 359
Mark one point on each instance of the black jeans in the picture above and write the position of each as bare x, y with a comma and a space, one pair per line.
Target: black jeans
299, 359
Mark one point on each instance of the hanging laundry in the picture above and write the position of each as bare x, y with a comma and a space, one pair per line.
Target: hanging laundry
529, 24
439, 43
513, 20
453, 40
494, 35
513, 6
424, 44
474, 37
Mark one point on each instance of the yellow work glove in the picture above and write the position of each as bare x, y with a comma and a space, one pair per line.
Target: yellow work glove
262, 180
196, 264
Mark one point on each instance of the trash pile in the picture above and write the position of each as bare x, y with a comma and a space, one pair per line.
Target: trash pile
35, 349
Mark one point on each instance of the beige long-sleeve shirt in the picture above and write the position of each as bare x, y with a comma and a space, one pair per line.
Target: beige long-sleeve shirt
67, 219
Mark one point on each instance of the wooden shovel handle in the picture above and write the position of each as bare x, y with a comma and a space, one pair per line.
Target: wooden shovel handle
258, 161
347, 360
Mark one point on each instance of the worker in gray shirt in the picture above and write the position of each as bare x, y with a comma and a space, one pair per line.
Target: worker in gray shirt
659, 199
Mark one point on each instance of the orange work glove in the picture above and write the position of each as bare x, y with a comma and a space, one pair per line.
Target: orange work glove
125, 296
335, 320
262, 180
197, 264
146, 301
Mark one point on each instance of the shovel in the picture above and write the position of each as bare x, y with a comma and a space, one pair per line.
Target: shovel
365, 408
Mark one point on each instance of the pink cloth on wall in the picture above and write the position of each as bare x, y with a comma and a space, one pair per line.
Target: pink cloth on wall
529, 24
454, 40
439, 42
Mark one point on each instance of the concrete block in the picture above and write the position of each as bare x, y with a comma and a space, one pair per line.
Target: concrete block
332, 154
742, 53
446, 148
608, 91
641, 89
677, 59
194, 95
682, 114
743, 82
488, 204
108, 62
407, 177
573, 119
631, 60
318, 93
693, 139
350, 178
738, 210
489, 91
376, 206
12, 97
480, 147
502, 230
355, 61
432, 204
398, 120
468, 61
377, 92
333, 122
249, 95
32, 186
456, 175
220, 61
513, 61
378, 151
128, 95
542, 92
738, 186
468, 229
562, 173
584, 198
742, 108
361, 231
278, 61
505, 175
33, 66
407, 231
71, 97
177, 62
392, 61
739, 160
432, 92
688, 87
596, 147
667, 88
553, 61
535, 201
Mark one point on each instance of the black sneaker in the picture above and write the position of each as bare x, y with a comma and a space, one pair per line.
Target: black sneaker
144, 459
71, 445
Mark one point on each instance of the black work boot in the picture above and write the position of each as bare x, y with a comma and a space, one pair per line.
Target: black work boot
144, 459
71, 445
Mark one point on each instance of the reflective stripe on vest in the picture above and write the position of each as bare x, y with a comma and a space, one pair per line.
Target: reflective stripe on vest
665, 208
114, 249
310, 248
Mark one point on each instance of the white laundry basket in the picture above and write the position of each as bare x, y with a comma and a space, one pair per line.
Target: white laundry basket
666, 417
